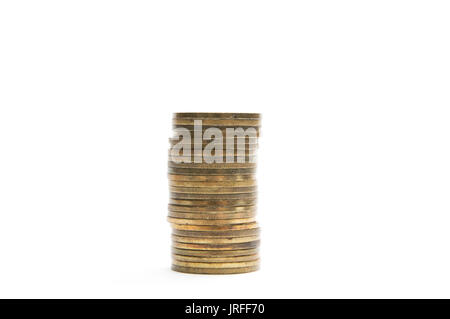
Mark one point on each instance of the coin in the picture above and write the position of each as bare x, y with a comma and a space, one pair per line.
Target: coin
214, 240
209, 209
211, 178
215, 259
214, 253
213, 190
219, 143
218, 122
216, 233
206, 171
238, 264
211, 271
213, 203
202, 115
212, 160
224, 166
184, 221
223, 227
247, 245
222, 130
246, 183
212, 196
211, 216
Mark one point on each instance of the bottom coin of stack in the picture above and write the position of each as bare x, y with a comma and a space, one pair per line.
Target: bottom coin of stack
213, 235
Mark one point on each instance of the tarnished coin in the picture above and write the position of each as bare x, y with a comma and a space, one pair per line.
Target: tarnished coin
213, 190
214, 240
183, 140
209, 209
214, 253
210, 216
212, 196
217, 233
216, 222
246, 183
210, 171
224, 227
218, 131
247, 245
238, 264
202, 115
205, 160
214, 271
224, 166
211, 178
215, 259
214, 203
218, 122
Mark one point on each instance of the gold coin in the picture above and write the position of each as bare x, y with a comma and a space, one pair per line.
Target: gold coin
207, 171
214, 253
213, 190
218, 122
204, 115
237, 264
247, 245
214, 203
204, 161
215, 259
249, 141
212, 196
213, 210
214, 240
210, 178
211, 216
214, 271
246, 183
220, 131
212, 165
216, 222
225, 227
217, 233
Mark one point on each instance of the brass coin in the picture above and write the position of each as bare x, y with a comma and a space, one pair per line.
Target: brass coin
226, 227
217, 233
217, 222
220, 131
205, 160
237, 264
247, 245
213, 216
212, 178
212, 210
218, 122
206, 140
204, 115
212, 196
214, 271
248, 142
214, 240
223, 166
213, 203
207, 171
246, 183
213, 190
215, 253
215, 259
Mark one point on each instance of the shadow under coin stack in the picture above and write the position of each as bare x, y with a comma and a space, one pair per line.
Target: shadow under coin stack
212, 204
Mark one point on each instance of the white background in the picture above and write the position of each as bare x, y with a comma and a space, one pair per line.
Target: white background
354, 160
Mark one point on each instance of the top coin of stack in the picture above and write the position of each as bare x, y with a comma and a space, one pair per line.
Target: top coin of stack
212, 163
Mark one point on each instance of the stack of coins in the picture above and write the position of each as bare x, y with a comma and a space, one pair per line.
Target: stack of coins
212, 163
